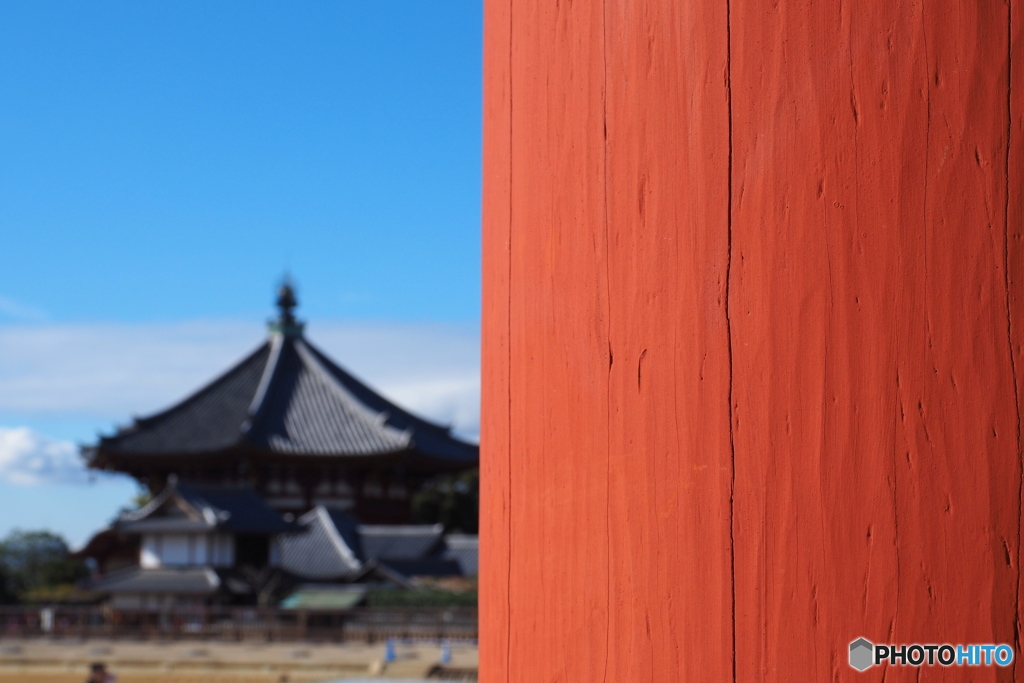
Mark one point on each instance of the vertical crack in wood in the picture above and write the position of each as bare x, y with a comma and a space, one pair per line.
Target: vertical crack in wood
896, 419
728, 332
928, 75
608, 330
1009, 314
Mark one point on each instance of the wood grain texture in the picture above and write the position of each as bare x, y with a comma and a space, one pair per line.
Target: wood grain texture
876, 428
669, 453
495, 360
752, 336
559, 349
1014, 266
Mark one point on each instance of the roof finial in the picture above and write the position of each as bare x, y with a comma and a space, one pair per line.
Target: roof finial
286, 323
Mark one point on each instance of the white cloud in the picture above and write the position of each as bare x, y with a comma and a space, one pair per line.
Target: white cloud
111, 372
28, 458
16, 310
454, 402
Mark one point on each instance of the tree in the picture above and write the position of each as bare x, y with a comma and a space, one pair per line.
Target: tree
267, 583
34, 560
6, 597
451, 500
143, 497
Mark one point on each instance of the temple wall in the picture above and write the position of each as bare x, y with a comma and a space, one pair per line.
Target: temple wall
752, 336
186, 550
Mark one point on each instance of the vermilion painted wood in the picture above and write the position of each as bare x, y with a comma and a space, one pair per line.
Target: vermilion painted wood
1015, 257
668, 449
876, 422
559, 347
752, 340
495, 360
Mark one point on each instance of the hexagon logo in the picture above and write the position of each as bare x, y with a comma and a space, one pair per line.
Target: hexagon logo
860, 654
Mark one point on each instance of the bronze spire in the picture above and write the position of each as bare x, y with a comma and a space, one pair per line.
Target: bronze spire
286, 322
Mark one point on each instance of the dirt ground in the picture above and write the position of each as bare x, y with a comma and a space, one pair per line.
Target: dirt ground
179, 678
67, 661
207, 677
160, 678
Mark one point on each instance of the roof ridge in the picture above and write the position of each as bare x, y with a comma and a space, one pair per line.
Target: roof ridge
269, 371
332, 533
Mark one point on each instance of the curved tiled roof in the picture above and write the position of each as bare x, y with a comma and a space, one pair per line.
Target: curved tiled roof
234, 509
326, 548
285, 397
208, 420
464, 549
390, 543
179, 580
332, 546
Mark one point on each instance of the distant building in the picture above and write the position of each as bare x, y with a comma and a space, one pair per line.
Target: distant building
285, 465
192, 543
297, 428
335, 547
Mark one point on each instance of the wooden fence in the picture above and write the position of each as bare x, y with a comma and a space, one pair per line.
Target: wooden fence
241, 623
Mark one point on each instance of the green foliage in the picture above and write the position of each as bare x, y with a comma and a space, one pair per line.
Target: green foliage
453, 501
6, 597
33, 561
64, 593
428, 597
142, 498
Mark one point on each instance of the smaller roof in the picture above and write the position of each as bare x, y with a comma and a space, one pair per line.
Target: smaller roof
465, 550
327, 548
390, 543
179, 581
332, 546
325, 597
194, 508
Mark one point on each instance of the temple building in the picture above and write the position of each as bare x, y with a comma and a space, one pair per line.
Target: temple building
192, 544
297, 428
283, 471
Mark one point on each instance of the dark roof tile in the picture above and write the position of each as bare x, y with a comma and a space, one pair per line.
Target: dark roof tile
465, 550
285, 397
332, 546
209, 420
233, 509
399, 543
320, 551
186, 580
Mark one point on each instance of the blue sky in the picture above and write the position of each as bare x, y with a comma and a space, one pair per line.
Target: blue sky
163, 163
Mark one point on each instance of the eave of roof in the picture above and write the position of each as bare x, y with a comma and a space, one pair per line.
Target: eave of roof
239, 510
181, 581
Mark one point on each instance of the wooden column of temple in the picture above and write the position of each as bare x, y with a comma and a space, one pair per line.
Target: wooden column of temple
752, 336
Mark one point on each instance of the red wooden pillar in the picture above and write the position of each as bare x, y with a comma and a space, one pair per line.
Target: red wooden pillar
752, 336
